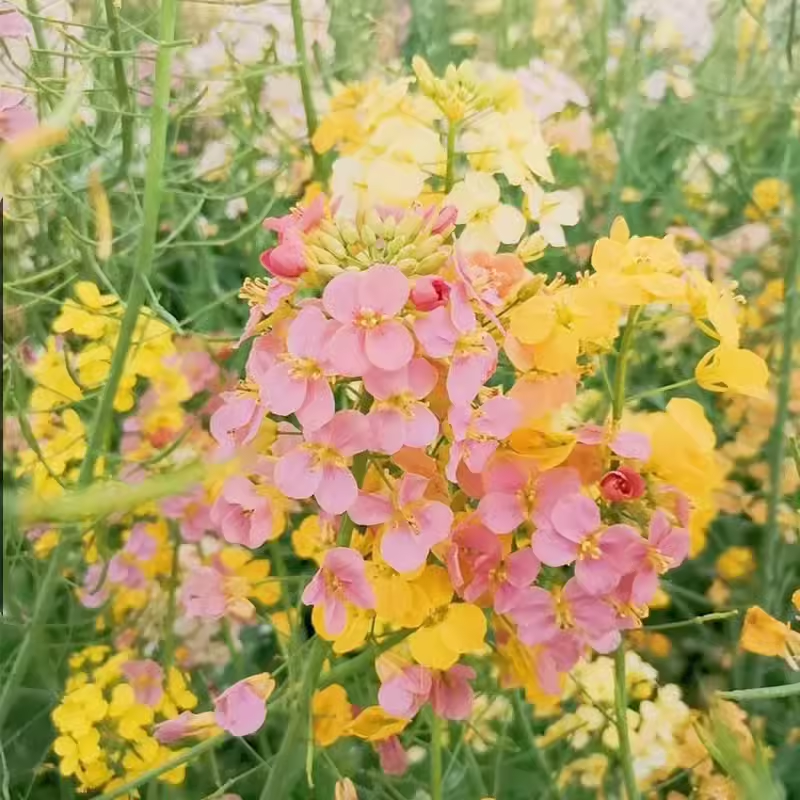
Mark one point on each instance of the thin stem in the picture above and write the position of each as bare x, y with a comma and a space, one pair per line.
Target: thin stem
451, 157
360, 463
123, 96
305, 85
701, 620
621, 714
102, 418
523, 714
763, 693
667, 388
169, 622
436, 756
621, 371
772, 586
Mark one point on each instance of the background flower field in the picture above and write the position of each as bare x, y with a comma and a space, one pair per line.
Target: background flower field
400, 399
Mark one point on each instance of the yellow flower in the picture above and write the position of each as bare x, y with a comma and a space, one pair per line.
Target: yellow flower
132, 717
736, 563
177, 696
449, 629
637, 270
733, 369
345, 790
313, 538
332, 713
90, 316
354, 635
80, 710
770, 197
248, 579
766, 636
374, 724
54, 384
488, 222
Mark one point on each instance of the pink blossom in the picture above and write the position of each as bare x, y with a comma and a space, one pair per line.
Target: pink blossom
287, 259
16, 118
397, 417
203, 594
430, 292
242, 709
393, 758
298, 219
477, 432
445, 219
451, 693
12, 23
566, 621
342, 578
622, 484
367, 304
624, 444
192, 512
276, 292
471, 543
296, 382
124, 568
237, 421
664, 549
404, 694
242, 513
505, 579
186, 724
95, 589
576, 533
516, 492
146, 678
413, 524
319, 466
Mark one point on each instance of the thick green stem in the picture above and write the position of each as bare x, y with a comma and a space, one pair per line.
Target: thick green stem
136, 294
436, 756
621, 719
763, 693
772, 560
305, 85
451, 157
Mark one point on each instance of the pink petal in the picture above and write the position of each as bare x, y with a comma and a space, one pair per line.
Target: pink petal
318, 407
478, 454
575, 517
676, 546
422, 377
239, 710
383, 288
297, 474
591, 434
308, 333
596, 575
522, 567
422, 428
434, 520
403, 550
389, 346
552, 549
388, 426
501, 512
340, 298
346, 564
334, 616
506, 475
507, 598
346, 351
436, 334
632, 445
283, 393
645, 584
411, 488
337, 489
382, 384
500, 416
466, 376
348, 433
370, 509
316, 591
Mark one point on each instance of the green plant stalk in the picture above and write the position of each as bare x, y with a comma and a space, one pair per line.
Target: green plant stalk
136, 294
305, 86
539, 756
123, 95
772, 561
620, 685
715, 616
436, 756
282, 775
763, 693
451, 157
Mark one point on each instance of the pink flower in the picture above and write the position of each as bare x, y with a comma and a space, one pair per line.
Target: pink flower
16, 118
342, 578
445, 219
430, 292
243, 514
505, 580
319, 466
393, 758
197, 366
296, 382
124, 568
622, 484
186, 724
287, 259
367, 304
237, 421
516, 492
624, 444
298, 219
413, 524
203, 594
398, 418
404, 694
477, 432
242, 709
451, 693
276, 292
471, 544
146, 679
566, 620
12, 23
95, 589
664, 549
192, 512
602, 555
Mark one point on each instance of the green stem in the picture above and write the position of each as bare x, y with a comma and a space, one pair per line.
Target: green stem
451, 157
102, 418
123, 95
305, 85
621, 371
436, 756
169, 622
772, 561
523, 713
360, 463
667, 388
621, 714
701, 620
282, 774
763, 693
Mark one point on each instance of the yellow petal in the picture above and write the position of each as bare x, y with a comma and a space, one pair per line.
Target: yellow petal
620, 232
733, 369
464, 628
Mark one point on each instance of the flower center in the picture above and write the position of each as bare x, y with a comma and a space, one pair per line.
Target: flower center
590, 546
325, 455
300, 368
564, 616
470, 344
658, 560
399, 402
367, 318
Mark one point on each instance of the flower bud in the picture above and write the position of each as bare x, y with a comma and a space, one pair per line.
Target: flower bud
445, 221
621, 485
427, 247
332, 245
410, 225
531, 248
432, 263
531, 288
430, 292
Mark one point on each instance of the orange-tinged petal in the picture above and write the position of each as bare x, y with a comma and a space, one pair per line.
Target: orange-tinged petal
374, 724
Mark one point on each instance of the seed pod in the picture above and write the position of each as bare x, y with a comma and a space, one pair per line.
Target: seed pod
332, 245
432, 262
427, 247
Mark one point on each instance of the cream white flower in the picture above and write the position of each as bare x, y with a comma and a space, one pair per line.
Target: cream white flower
553, 211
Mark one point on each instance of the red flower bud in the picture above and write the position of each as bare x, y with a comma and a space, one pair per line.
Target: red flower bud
621, 485
430, 292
